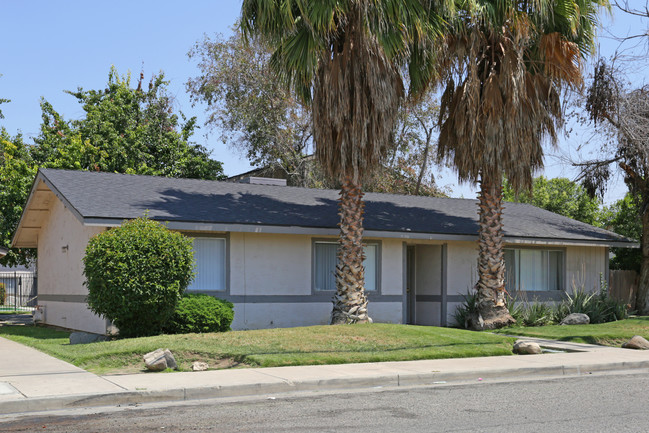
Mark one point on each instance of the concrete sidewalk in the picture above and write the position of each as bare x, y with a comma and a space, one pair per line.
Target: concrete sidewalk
32, 381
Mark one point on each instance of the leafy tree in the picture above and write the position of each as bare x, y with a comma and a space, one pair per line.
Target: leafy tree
622, 218
17, 172
136, 274
408, 167
255, 113
344, 58
561, 196
502, 99
258, 116
124, 130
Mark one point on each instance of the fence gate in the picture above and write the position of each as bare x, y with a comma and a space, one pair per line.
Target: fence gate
18, 291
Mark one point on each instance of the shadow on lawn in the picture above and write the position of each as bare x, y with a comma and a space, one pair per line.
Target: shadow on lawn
32, 331
588, 339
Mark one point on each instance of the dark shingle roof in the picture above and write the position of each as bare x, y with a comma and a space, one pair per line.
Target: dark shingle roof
97, 195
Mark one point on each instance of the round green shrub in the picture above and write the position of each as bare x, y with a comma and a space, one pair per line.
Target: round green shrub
136, 274
197, 313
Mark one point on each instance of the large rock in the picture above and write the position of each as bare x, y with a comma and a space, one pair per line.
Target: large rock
86, 337
637, 342
160, 359
199, 366
576, 319
526, 348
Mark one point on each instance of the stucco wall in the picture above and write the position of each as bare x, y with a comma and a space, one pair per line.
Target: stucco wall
462, 267
271, 282
60, 271
270, 277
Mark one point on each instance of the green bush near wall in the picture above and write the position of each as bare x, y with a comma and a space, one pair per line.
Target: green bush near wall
136, 275
3, 294
198, 313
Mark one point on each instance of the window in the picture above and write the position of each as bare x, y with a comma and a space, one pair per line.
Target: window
324, 265
533, 270
209, 254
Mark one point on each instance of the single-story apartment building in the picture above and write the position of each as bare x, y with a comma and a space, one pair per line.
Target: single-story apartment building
271, 249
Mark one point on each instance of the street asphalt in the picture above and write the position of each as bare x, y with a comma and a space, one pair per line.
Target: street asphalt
31, 381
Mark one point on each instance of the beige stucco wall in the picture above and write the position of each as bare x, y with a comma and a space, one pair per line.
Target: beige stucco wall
280, 265
263, 264
462, 267
60, 270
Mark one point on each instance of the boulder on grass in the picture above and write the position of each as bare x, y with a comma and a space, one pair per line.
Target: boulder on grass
526, 348
199, 366
576, 319
159, 360
637, 342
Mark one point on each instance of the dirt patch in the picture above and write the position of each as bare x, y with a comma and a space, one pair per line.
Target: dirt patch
184, 361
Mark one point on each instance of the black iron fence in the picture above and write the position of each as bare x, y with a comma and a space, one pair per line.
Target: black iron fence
18, 290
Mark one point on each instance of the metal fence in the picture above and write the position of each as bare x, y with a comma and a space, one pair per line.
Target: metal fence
18, 291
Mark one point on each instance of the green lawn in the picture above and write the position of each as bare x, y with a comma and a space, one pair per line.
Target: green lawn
608, 334
11, 310
270, 347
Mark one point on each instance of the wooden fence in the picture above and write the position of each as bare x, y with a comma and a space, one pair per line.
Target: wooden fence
623, 286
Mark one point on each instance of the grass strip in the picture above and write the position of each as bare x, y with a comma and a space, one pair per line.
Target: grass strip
313, 345
607, 334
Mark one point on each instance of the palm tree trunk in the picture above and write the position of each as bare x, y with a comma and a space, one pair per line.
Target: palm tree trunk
350, 302
492, 309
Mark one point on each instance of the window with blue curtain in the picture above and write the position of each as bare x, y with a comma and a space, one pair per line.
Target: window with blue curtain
325, 265
533, 270
209, 255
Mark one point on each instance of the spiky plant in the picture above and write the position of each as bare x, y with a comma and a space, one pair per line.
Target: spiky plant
344, 57
502, 100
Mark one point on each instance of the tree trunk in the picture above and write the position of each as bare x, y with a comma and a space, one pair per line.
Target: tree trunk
642, 297
429, 133
350, 302
492, 309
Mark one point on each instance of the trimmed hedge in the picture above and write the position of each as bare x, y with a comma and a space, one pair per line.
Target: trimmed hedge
136, 275
197, 313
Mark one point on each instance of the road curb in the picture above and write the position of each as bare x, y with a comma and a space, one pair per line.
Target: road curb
123, 398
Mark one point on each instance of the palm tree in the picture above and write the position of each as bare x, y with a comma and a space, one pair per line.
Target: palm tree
345, 57
512, 60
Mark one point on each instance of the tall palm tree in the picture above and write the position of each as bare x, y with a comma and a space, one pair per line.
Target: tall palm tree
512, 60
345, 58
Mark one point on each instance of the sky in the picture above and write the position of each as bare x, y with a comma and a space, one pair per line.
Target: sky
48, 47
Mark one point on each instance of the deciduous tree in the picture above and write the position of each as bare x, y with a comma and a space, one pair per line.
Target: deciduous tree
559, 195
124, 130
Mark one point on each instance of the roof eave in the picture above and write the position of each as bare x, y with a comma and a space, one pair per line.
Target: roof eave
40, 176
330, 231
